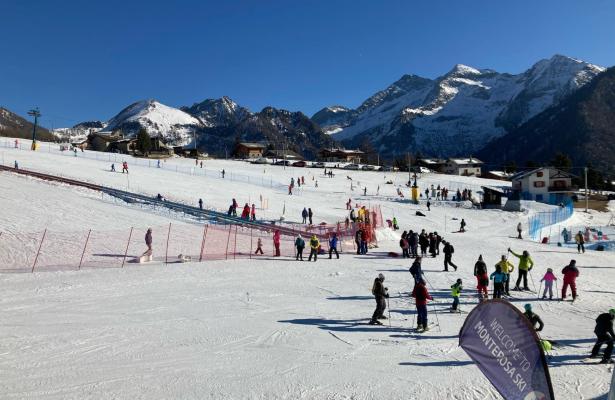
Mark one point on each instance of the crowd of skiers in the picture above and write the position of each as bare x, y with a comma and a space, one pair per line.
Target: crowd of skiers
411, 242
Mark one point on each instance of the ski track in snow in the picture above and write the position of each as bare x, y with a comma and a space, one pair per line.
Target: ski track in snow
267, 329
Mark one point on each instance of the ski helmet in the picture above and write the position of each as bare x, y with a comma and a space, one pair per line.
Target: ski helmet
612, 311
528, 307
459, 280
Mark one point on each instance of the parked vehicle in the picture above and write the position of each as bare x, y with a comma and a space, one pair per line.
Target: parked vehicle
261, 160
318, 165
351, 166
282, 162
386, 168
420, 170
368, 168
299, 164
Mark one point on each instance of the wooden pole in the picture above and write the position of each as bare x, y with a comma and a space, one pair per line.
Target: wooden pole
251, 245
127, 244
166, 254
227, 241
39, 249
84, 247
203, 242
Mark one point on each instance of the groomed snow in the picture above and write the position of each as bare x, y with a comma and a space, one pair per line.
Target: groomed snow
265, 328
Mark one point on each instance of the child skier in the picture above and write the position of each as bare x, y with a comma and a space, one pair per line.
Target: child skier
421, 295
456, 291
548, 280
482, 280
499, 278
259, 246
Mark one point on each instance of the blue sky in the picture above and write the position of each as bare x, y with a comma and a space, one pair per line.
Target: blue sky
83, 60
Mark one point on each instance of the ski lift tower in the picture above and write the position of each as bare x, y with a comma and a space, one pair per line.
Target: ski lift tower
36, 114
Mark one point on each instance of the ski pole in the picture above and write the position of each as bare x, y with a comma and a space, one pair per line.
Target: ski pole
556, 290
435, 311
539, 289
532, 278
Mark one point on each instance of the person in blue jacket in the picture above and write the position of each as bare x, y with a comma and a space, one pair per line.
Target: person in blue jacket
333, 246
499, 279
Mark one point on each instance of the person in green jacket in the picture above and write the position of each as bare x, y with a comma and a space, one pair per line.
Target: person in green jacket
525, 264
456, 291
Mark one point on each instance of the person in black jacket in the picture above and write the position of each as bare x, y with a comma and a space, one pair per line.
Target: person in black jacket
380, 294
605, 335
534, 318
357, 239
416, 270
424, 243
448, 255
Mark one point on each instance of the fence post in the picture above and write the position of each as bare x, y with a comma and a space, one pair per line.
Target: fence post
235, 245
203, 242
84, 247
166, 254
39, 249
251, 229
227, 240
127, 244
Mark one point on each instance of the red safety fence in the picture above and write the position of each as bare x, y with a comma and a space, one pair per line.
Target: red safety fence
50, 250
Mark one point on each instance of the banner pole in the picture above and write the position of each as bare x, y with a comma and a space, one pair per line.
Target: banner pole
84, 247
251, 243
39, 249
228, 238
166, 254
235, 244
127, 244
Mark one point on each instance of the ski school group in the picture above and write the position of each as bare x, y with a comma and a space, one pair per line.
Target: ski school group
500, 279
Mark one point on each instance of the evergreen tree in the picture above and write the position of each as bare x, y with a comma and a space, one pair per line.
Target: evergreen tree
144, 142
561, 161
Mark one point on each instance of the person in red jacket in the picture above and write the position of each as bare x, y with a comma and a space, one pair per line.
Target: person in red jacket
421, 295
245, 214
571, 272
276, 242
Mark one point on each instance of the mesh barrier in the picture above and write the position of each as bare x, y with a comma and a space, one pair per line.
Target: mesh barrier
543, 220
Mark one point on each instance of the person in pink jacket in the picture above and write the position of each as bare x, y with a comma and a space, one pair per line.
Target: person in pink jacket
548, 279
276, 242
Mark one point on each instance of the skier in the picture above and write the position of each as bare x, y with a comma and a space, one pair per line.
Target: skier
112, 167
158, 164
314, 245
357, 240
566, 235
413, 241
349, 204
290, 190
365, 191
253, 212
519, 230
421, 295
455, 292
276, 242
548, 280
259, 246
310, 215
580, 242
16, 165
432, 244
415, 270
438, 241
300, 245
245, 213
428, 205
507, 268
482, 280
380, 294
333, 246
223, 172
424, 243
363, 241
125, 167
498, 278
201, 204
235, 205
525, 264
304, 215
533, 318
395, 226
448, 255
604, 335
571, 272
148, 240
403, 243
462, 225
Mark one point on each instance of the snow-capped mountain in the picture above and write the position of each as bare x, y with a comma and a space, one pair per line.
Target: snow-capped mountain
175, 126
457, 113
216, 112
78, 132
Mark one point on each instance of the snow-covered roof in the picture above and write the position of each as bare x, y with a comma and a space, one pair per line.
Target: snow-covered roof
493, 188
252, 145
343, 151
558, 172
463, 161
432, 161
502, 174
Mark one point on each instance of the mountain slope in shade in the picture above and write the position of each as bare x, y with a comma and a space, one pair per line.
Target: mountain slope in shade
458, 112
581, 126
12, 125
